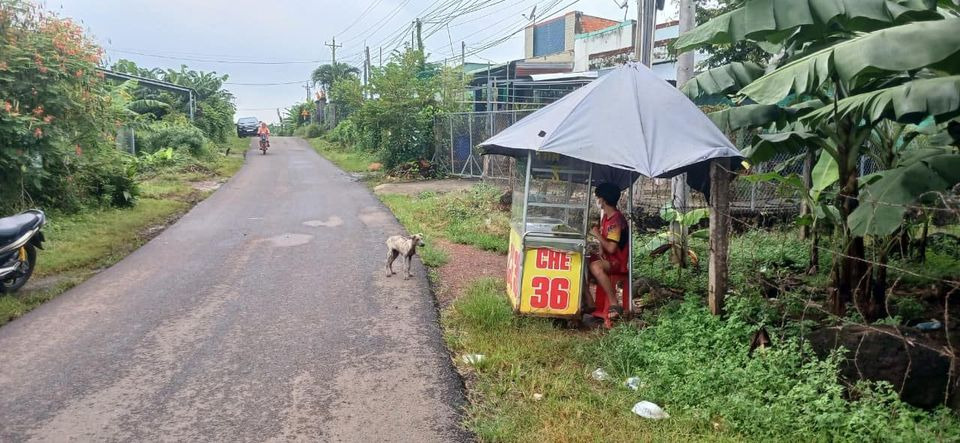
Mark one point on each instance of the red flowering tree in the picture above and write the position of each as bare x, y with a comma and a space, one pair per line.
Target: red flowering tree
56, 122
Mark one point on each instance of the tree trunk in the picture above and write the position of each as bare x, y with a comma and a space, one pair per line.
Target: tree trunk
850, 279
876, 308
814, 266
805, 209
922, 249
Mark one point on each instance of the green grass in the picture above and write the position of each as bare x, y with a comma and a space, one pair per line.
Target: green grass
433, 256
466, 217
691, 363
80, 244
350, 160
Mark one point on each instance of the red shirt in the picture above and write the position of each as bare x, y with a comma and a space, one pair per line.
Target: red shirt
612, 227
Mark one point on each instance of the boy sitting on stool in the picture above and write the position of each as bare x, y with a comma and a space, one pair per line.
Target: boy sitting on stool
613, 237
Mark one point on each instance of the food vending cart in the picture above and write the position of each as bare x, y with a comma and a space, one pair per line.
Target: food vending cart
627, 123
552, 212
548, 231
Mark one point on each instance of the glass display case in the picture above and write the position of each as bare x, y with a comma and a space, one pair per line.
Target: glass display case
548, 231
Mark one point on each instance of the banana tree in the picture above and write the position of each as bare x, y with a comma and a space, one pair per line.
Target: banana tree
676, 242
838, 51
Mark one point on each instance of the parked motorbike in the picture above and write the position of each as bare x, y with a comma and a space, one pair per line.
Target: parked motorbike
20, 237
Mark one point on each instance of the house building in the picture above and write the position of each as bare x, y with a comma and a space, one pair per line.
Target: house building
552, 41
614, 45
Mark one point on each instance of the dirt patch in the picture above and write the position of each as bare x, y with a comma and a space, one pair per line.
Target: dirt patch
465, 264
206, 186
415, 188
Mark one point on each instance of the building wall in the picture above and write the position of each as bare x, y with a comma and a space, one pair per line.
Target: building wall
600, 42
528, 42
550, 37
615, 44
560, 57
554, 40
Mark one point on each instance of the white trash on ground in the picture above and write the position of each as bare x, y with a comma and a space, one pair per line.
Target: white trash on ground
633, 383
538, 397
650, 410
473, 359
600, 375
931, 325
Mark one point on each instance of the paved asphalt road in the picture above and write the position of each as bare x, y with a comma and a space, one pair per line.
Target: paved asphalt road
262, 315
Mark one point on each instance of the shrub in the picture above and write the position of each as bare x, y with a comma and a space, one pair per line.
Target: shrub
56, 120
181, 137
312, 130
696, 364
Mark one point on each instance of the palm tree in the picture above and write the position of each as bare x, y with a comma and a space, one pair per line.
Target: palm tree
327, 75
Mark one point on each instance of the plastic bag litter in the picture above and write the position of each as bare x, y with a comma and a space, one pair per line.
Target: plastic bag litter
931, 325
600, 375
473, 359
633, 383
650, 410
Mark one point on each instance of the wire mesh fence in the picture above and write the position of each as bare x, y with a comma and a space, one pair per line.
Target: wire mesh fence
127, 140
458, 134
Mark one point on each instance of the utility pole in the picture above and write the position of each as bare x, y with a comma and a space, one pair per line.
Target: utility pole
306, 87
381, 56
419, 27
685, 61
366, 67
646, 27
333, 47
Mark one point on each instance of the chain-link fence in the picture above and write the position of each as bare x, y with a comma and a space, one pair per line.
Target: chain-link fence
458, 134
127, 140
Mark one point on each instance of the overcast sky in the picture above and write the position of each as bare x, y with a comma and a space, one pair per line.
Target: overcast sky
221, 35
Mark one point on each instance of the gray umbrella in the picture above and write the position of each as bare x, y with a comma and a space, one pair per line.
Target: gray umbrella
627, 122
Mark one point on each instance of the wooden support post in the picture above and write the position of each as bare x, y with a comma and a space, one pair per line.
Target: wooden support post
719, 233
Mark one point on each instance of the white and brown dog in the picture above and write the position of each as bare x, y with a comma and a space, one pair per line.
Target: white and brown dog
398, 245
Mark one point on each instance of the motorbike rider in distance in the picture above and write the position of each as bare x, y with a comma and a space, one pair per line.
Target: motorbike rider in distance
264, 133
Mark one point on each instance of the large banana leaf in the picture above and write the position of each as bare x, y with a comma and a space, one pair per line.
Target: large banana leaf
746, 116
884, 202
755, 116
908, 47
727, 79
825, 173
804, 20
911, 102
146, 105
787, 142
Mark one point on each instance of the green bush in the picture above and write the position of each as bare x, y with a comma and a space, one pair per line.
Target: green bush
345, 133
696, 364
312, 130
181, 137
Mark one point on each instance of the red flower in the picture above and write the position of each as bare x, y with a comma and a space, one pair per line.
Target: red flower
79, 150
38, 111
48, 119
79, 73
38, 133
7, 106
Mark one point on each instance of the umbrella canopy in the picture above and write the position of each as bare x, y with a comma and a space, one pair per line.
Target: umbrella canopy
627, 122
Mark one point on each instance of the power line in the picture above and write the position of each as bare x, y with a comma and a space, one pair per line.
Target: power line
296, 82
203, 60
363, 14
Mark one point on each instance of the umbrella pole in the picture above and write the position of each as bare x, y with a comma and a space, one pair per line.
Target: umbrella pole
628, 286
